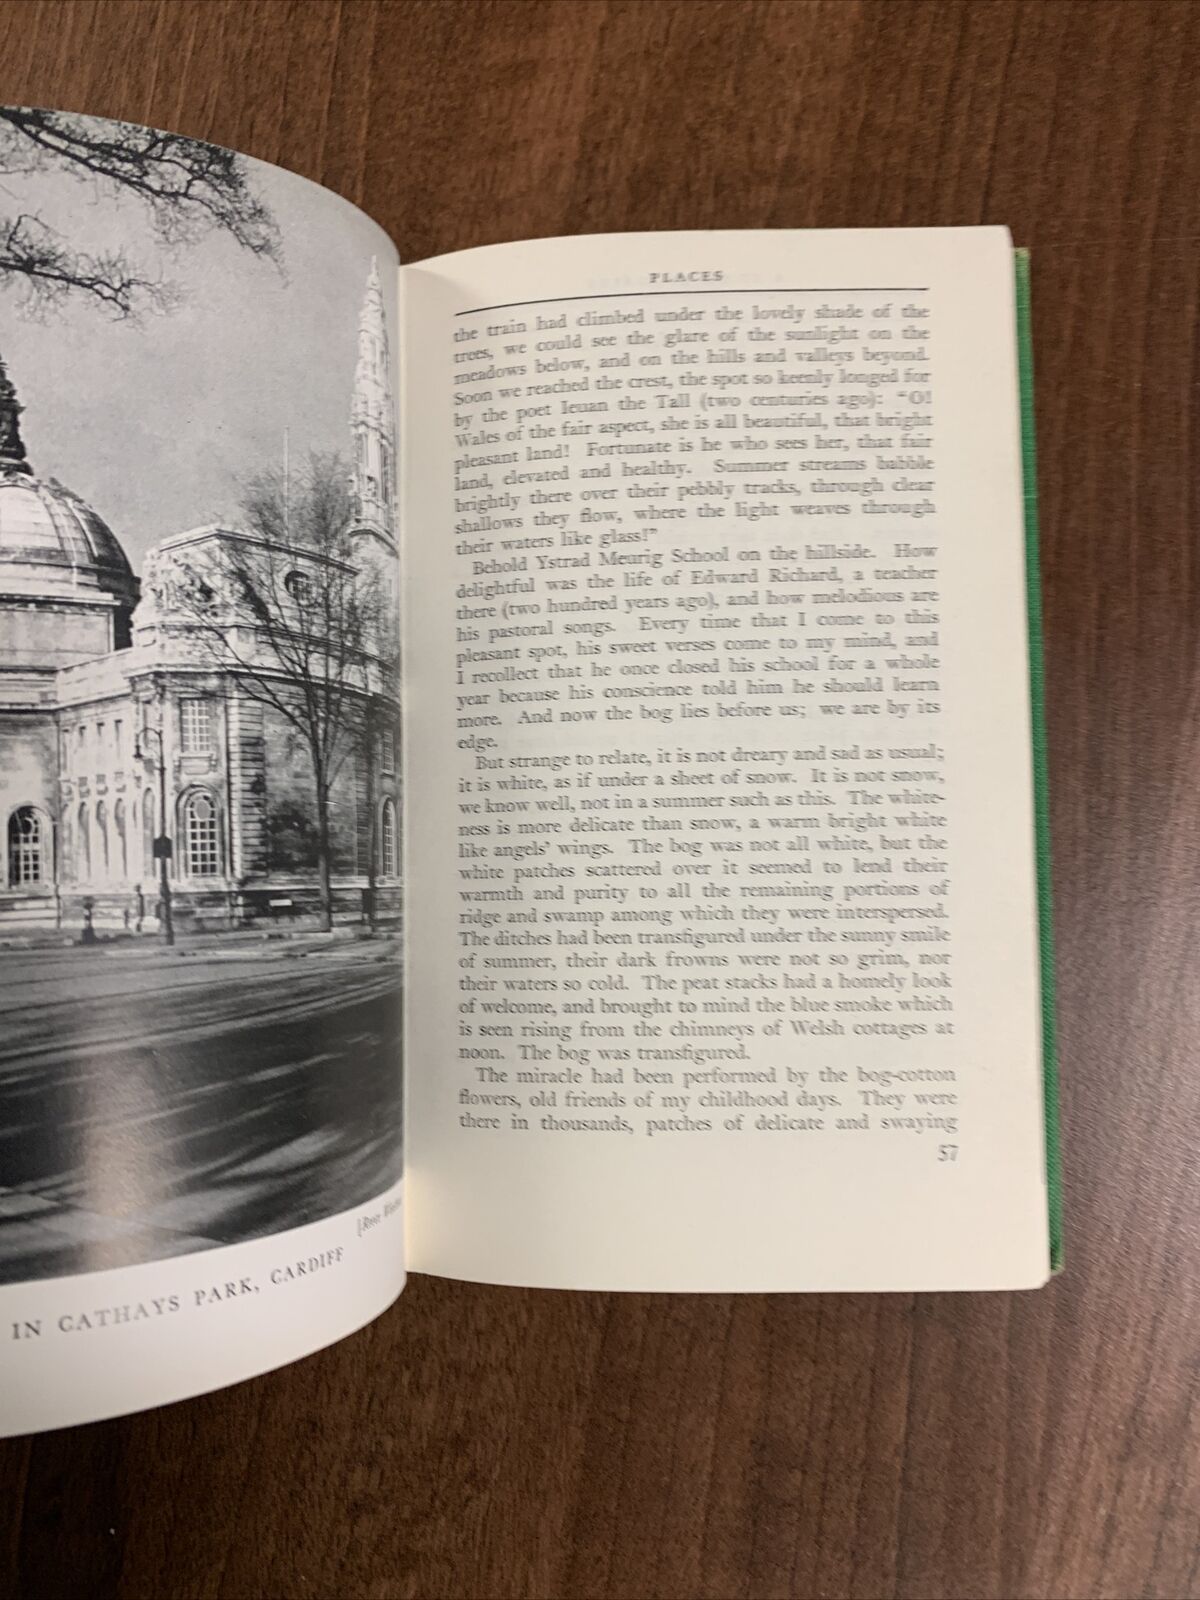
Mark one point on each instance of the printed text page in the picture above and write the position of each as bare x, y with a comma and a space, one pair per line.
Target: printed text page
722, 914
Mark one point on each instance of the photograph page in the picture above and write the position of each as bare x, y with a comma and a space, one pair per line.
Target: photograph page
723, 831
200, 978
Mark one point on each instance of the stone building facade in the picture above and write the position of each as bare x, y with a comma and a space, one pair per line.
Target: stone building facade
121, 724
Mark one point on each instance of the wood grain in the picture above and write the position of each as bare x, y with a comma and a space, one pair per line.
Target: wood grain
494, 1443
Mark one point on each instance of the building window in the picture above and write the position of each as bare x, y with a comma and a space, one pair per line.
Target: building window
388, 839
196, 726
102, 841
201, 840
148, 833
26, 844
387, 751
84, 865
119, 830
118, 736
385, 473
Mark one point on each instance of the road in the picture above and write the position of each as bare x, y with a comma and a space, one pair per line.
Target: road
154, 1103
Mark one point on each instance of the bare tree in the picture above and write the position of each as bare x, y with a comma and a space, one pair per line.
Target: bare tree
300, 628
187, 187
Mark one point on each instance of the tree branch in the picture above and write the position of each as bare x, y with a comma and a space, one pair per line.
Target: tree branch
189, 188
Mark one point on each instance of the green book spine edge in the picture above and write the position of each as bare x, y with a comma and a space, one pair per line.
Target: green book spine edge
1041, 784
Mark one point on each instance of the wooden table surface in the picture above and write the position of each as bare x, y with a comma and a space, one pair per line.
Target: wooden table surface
490, 1443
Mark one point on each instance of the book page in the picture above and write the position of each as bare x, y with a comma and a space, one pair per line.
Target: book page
719, 740
201, 1153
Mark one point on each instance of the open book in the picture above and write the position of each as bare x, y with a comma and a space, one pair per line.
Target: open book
599, 674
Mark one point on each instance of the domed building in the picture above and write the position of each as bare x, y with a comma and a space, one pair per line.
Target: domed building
123, 743
59, 561
67, 591
67, 594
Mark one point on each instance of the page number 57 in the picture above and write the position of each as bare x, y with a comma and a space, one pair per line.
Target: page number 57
947, 1152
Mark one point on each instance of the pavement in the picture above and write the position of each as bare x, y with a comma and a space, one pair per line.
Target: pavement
33, 937
156, 1101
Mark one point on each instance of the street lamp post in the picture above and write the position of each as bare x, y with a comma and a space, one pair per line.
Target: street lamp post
162, 841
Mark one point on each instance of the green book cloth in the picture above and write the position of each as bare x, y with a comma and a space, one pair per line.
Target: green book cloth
1041, 794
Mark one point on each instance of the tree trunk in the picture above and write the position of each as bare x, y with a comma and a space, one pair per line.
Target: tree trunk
372, 806
324, 876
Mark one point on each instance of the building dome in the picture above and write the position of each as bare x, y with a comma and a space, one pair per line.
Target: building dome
53, 536
52, 544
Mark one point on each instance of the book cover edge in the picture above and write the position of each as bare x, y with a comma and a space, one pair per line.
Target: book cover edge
1041, 790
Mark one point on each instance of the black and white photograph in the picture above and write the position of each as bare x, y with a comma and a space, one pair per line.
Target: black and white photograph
201, 914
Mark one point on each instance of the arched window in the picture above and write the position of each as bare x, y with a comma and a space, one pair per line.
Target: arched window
27, 844
83, 870
122, 843
101, 841
200, 836
148, 832
387, 839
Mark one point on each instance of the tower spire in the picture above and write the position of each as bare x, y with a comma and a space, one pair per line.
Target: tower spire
372, 418
12, 448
